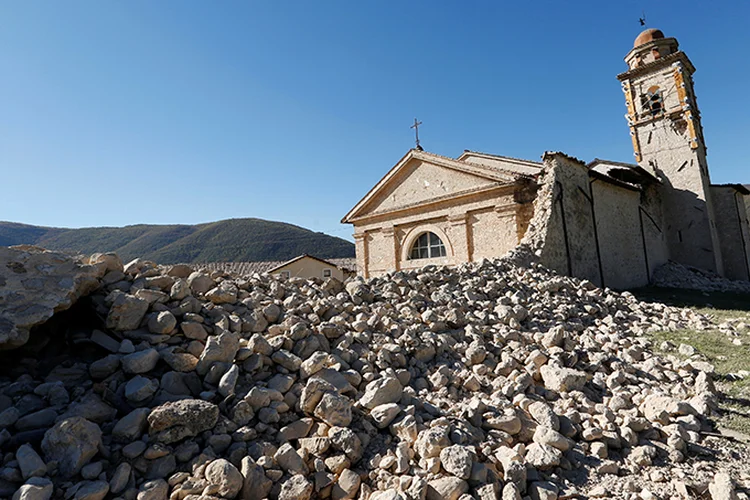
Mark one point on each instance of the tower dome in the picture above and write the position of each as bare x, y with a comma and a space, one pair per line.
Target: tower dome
649, 46
648, 35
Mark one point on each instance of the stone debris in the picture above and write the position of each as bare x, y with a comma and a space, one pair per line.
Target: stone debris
487, 381
675, 275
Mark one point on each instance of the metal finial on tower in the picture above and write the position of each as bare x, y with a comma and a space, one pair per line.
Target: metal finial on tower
416, 133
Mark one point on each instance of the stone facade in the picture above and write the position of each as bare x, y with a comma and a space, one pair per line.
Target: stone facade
609, 222
477, 211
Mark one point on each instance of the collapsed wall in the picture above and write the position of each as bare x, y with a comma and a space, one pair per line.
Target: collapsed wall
489, 380
592, 226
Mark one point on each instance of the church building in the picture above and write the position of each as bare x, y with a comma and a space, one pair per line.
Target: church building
611, 222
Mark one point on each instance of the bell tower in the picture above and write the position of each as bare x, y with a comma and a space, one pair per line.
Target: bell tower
667, 137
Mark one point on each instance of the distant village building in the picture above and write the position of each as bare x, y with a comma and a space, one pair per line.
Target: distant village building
307, 266
346, 267
611, 222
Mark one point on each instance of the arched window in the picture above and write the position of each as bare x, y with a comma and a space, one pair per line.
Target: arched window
427, 246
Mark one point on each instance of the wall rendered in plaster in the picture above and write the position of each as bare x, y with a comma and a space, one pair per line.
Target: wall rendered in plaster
732, 226
621, 243
383, 244
310, 268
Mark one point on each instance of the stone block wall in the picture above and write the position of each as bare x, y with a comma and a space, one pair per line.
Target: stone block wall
734, 233
589, 228
561, 232
621, 243
481, 226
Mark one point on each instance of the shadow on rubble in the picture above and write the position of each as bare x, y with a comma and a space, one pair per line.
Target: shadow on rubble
61, 341
681, 297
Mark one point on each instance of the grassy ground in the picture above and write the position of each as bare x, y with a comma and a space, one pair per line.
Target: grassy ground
717, 347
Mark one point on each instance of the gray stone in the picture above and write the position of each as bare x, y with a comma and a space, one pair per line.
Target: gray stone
37, 420
36, 488
92, 470
120, 478
139, 389
92, 490
200, 282
177, 420
162, 323
153, 490
296, 487
104, 367
446, 488
347, 485
722, 488
289, 460
543, 490
256, 486
30, 463
131, 426
334, 409
562, 379
126, 312
71, 443
193, 330
140, 361
220, 348
457, 460
381, 391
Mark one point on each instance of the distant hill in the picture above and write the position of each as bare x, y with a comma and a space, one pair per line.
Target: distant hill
232, 240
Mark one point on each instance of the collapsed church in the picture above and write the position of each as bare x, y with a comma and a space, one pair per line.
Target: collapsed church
609, 222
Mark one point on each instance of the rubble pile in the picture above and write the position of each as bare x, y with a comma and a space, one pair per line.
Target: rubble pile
675, 275
487, 381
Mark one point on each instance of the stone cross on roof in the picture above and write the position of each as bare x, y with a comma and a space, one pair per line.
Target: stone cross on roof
416, 132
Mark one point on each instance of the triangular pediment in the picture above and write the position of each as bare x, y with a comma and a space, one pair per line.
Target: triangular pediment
422, 178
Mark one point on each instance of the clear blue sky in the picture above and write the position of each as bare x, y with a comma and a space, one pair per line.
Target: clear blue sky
115, 113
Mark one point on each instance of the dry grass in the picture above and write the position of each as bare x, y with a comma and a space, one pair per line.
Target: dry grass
715, 346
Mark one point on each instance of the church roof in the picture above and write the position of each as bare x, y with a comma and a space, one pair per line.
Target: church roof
497, 175
514, 166
627, 175
300, 257
647, 36
741, 188
662, 61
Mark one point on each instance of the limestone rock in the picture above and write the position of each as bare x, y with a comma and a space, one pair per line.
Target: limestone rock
562, 379
446, 488
226, 476
71, 443
162, 323
177, 420
296, 487
30, 463
457, 460
36, 488
34, 285
722, 488
256, 484
153, 490
126, 312
381, 391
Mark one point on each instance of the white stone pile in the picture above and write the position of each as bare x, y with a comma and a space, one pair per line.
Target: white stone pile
489, 381
674, 275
